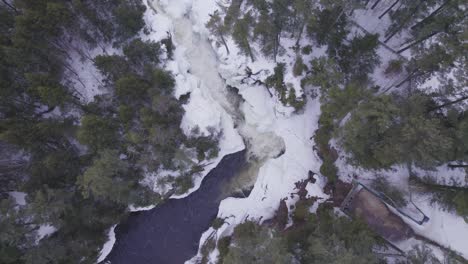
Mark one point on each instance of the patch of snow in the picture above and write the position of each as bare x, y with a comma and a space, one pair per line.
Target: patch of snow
269, 126
85, 78
106, 249
20, 197
369, 19
277, 177
445, 228
133, 208
195, 70
45, 231
444, 175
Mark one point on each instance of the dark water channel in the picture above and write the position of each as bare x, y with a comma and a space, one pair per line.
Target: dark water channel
170, 232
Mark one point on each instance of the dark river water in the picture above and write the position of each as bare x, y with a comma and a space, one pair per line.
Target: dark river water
170, 232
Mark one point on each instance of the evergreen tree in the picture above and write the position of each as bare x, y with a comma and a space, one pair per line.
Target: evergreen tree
218, 28
252, 243
241, 34
105, 178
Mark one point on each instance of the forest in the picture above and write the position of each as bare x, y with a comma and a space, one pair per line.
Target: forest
417, 122
80, 164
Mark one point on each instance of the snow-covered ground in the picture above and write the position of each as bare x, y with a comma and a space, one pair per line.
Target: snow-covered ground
107, 247
45, 231
268, 127
194, 67
262, 123
445, 228
19, 197
84, 77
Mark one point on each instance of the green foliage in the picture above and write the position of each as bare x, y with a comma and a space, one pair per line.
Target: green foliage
97, 132
129, 17
329, 169
315, 238
461, 204
276, 80
13, 232
126, 114
142, 53
223, 248
131, 88
167, 42
206, 146
325, 73
56, 169
381, 133
253, 243
328, 28
325, 238
105, 178
183, 183
218, 28
112, 66
207, 247
232, 13
359, 58
241, 34
452, 199
287, 95
299, 66
301, 211
307, 50
397, 196
217, 223
48, 90
162, 80
394, 67
363, 133
336, 103
35, 79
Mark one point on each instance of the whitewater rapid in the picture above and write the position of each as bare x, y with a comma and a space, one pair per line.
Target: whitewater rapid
278, 143
203, 65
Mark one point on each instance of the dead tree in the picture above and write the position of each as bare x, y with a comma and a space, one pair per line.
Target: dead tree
449, 103
375, 4
404, 22
388, 9
430, 16
418, 41
12, 7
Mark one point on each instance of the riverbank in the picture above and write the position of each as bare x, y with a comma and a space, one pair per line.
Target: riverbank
170, 232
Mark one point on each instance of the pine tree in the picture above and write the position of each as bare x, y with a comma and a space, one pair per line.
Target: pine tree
241, 34
218, 28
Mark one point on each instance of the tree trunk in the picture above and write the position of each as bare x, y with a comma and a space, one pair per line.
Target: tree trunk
375, 4
411, 75
11, 7
457, 165
449, 103
49, 109
436, 185
276, 47
388, 9
249, 50
407, 18
430, 15
338, 17
300, 34
224, 43
418, 41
